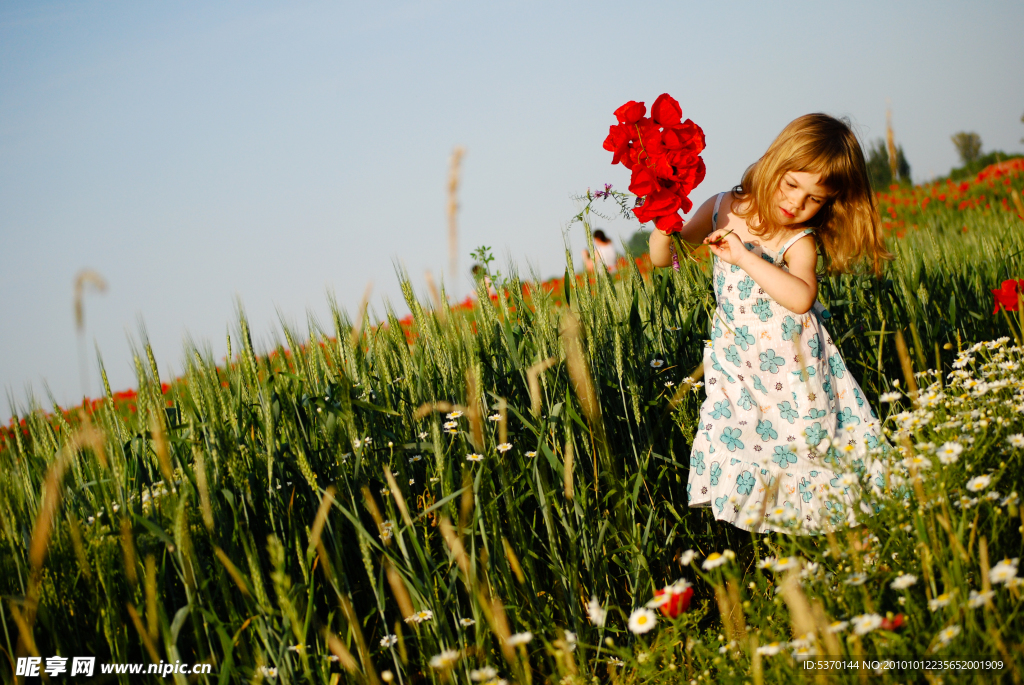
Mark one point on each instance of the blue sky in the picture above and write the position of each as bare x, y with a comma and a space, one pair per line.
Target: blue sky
200, 154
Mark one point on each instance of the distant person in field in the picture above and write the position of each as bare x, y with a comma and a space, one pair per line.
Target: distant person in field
605, 251
478, 274
786, 439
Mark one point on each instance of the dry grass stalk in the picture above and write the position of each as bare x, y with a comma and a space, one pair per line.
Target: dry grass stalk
76, 542
357, 328
144, 634
687, 385
513, 561
371, 506
473, 414
567, 470
533, 380
435, 296
1017, 203
26, 641
369, 672
823, 621
907, 365
339, 650
232, 570
160, 446
502, 421
578, 372
453, 209
128, 547
986, 583
396, 493
320, 520
430, 407
152, 617
205, 505
800, 614
398, 589
468, 500
84, 278
890, 142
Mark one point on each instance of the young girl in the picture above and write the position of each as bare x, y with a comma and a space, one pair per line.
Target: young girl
785, 431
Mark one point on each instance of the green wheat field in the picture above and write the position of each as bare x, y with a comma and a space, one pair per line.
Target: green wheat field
488, 493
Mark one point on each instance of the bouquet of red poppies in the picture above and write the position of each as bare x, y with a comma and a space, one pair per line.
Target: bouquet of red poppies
663, 152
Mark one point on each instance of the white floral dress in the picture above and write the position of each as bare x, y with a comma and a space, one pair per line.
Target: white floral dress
785, 433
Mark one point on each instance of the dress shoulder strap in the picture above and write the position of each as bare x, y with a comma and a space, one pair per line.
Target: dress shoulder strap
714, 217
789, 243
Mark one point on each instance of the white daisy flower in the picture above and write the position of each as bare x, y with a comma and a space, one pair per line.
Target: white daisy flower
1004, 571
420, 616
838, 626
596, 613
494, 417
768, 563
865, 623
979, 599
450, 425
686, 558
616, 661
268, 671
422, 435
388, 641
454, 415
657, 363
787, 564
941, 601
479, 675
531, 453
949, 452
415, 458
642, 620
570, 640
715, 559
890, 396
946, 635
1016, 440
520, 638
504, 447
903, 582
466, 622
856, 579
445, 659
979, 483
804, 653
474, 457
771, 649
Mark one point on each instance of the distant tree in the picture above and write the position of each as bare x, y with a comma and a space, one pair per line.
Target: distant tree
879, 169
968, 146
637, 244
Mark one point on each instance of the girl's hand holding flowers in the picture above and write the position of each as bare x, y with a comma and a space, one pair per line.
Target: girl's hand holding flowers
727, 246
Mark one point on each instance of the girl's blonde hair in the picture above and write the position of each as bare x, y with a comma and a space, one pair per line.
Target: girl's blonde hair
847, 226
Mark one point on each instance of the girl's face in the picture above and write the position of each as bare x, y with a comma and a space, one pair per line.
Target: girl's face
799, 198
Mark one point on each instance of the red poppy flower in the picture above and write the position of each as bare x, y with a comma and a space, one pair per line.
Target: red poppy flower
631, 112
1006, 296
678, 602
894, 623
663, 152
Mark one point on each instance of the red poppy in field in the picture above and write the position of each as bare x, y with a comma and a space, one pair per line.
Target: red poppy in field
666, 111
894, 623
674, 600
631, 112
1007, 296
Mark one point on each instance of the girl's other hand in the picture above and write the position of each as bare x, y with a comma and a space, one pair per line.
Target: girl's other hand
727, 246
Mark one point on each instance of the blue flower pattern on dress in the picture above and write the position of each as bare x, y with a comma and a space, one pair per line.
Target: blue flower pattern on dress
731, 438
746, 399
745, 483
733, 355
763, 309
836, 365
765, 430
770, 361
721, 409
745, 286
815, 344
764, 345
743, 338
791, 330
783, 456
697, 462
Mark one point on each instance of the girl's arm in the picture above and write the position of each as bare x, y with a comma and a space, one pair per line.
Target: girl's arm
694, 231
796, 290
